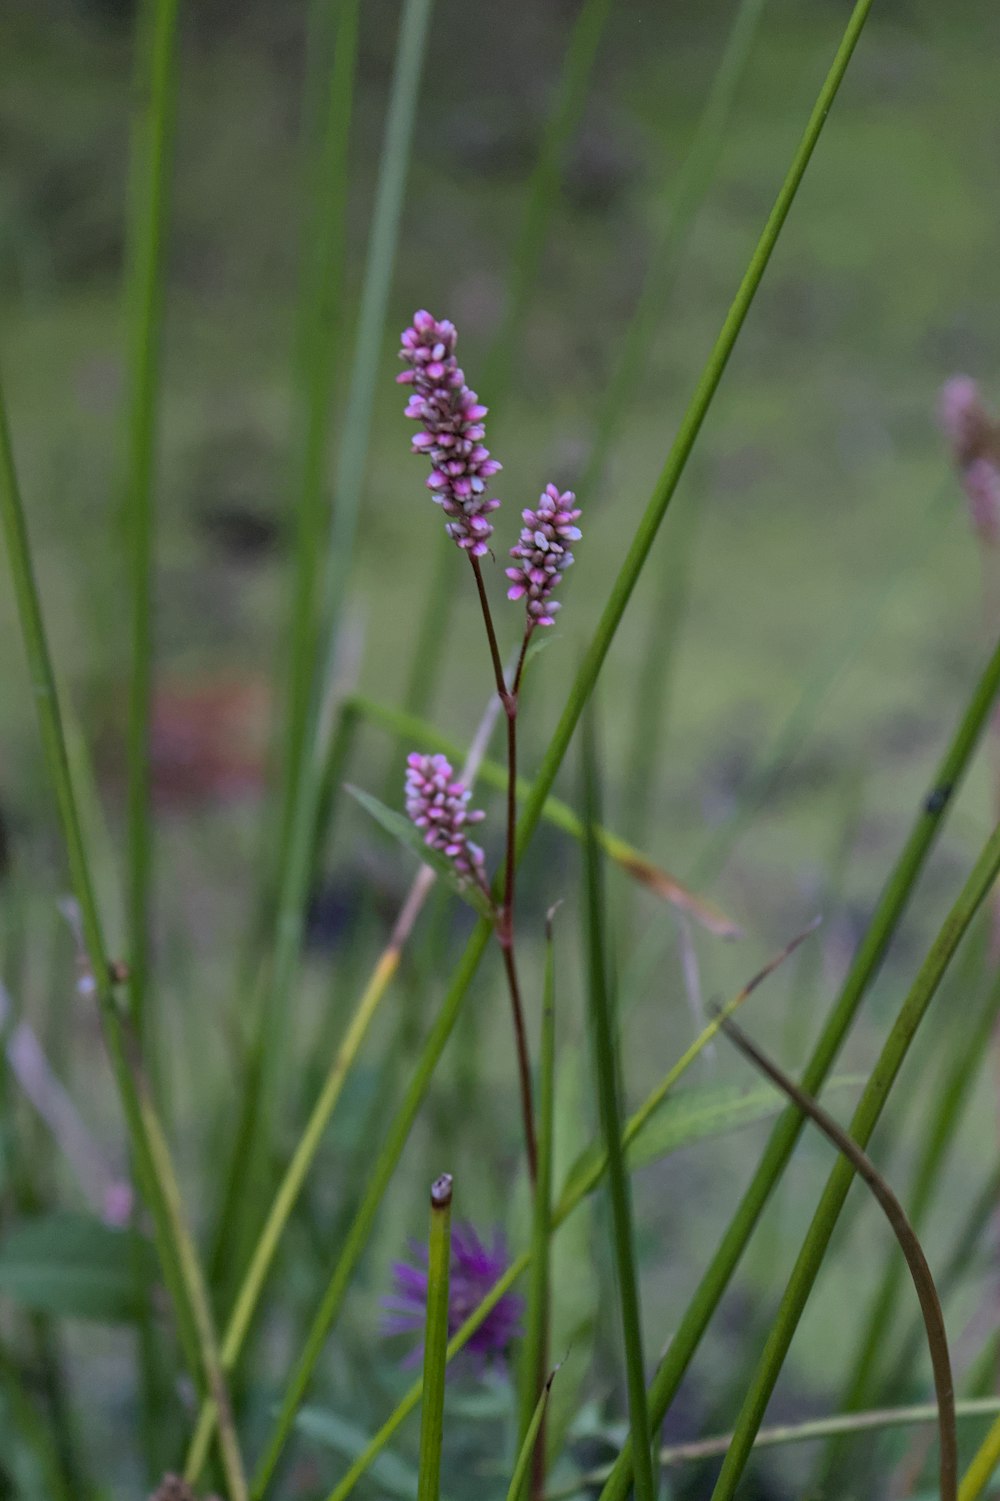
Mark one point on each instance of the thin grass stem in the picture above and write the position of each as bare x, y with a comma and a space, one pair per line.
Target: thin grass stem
435, 1342
607, 1066
877, 1420
535, 1348
909, 1244
149, 181
942, 1122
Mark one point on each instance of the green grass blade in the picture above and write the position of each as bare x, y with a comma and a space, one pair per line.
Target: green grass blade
330, 81
370, 335
319, 356
885, 919
152, 135
940, 1125
870, 1107
607, 1068
530, 1443
435, 1341
535, 1349
581, 689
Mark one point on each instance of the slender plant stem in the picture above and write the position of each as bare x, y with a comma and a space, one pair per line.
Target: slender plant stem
970, 1239
197, 1293
916, 1261
799, 1433
865, 1118
579, 1185
535, 1349
435, 1341
505, 926
884, 922
149, 178
580, 691
942, 1123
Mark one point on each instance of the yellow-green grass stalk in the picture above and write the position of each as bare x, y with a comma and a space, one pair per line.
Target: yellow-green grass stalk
435, 1341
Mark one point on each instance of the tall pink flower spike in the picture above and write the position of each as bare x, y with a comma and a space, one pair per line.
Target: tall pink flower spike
451, 431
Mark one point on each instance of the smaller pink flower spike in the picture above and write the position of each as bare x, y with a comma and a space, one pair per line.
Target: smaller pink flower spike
541, 555
438, 804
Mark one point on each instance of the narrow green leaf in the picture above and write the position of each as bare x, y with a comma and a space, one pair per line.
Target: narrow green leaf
74, 1266
400, 827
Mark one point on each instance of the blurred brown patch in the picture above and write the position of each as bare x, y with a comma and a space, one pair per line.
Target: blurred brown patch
208, 740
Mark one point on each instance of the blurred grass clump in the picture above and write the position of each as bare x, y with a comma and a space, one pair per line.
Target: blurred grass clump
248, 603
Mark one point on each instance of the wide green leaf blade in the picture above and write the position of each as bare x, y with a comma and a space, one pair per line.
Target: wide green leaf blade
75, 1266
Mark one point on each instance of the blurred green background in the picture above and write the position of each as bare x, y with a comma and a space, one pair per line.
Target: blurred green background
829, 584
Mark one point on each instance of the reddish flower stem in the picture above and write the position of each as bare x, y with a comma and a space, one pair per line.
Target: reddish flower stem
505, 930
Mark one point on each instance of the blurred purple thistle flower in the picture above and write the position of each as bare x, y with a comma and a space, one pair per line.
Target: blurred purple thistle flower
451, 420
974, 443
475, 1269
438, 804
541, 555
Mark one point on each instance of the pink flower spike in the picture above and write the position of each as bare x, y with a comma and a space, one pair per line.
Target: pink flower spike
540, 556
452, 430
